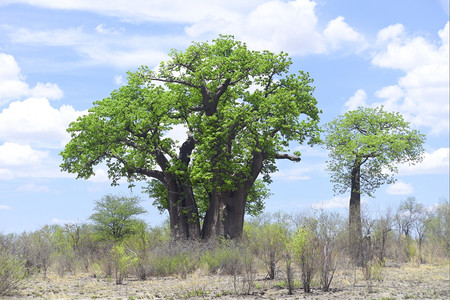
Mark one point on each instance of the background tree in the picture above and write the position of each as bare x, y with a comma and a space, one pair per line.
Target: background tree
411, 218
438, 226
240, 110
365, 147
115, 217
383, 229
12, 271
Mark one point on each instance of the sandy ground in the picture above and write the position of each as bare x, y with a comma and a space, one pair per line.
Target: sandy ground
393, 282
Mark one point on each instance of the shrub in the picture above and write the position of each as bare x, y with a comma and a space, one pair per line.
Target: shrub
224, 258
12, 271
306, 252
122, 261
272, 238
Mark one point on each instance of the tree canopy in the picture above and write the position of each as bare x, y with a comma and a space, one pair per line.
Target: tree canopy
365, 147
115, 217
239, 108
374, 140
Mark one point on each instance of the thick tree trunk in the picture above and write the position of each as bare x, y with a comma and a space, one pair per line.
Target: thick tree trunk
355, 226
178, 226
233, 213
190, 213
211, 223
183, 212
235, 201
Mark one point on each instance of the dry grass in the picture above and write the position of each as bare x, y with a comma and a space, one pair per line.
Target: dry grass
405, 281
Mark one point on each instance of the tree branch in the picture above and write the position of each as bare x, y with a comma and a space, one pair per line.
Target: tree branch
287, 156
173, 80
186, 149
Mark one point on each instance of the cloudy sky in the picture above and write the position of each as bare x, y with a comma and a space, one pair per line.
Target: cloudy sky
57, 57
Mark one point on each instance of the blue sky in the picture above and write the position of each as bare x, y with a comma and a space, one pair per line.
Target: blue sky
57, 57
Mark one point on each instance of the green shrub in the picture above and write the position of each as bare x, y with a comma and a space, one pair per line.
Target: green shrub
172, 264
223, 259
122, 261
306, 252
12, 272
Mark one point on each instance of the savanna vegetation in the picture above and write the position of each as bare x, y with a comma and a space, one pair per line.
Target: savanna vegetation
240, 111
304, 251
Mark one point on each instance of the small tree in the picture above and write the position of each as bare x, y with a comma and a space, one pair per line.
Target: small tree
306, 252
12, 271
273, 239
42, 245
365, 146
115, 216
438, 227
383, 227
139, 247
408, 217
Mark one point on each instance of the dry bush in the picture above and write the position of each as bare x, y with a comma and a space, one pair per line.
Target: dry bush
12, 271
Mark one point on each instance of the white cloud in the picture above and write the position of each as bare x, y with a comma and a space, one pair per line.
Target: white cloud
108, 30
176, 11
118, 79
292, 174
6, 174
357, 100
405, 53
12, 154
436, 162
96, 47
33, 188
335, 202
34, 121
290, 26
30, 129
9, 68
390, 33
4, 207
47, 90
62, 221
422, 94
100, 176
275, 25
400, 188
178, 133
339, 34
22, 161
283, 26
12, 87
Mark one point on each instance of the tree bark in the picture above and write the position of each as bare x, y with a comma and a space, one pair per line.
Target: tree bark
355, 226
178, 226
189, 213
183, 212
211, 223
233, 212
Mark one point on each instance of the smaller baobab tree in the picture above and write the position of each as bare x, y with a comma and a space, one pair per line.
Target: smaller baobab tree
365, 146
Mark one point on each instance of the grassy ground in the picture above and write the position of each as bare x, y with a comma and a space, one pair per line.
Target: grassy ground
406, 281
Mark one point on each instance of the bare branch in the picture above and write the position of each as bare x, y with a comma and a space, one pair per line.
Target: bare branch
287, 156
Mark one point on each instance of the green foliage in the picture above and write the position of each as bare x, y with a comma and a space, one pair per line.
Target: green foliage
172, 264
122, 261
139, 245
225, 258
272, 238
306, 251
439, 226
64, 253
240, 110
115, 216
373, 140
12, 271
